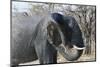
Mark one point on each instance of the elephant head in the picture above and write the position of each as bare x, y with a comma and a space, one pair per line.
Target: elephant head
66, 36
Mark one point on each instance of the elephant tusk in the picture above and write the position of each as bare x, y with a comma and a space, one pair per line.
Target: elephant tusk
78, 48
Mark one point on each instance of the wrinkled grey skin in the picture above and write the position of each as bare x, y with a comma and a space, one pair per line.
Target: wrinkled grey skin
30, 40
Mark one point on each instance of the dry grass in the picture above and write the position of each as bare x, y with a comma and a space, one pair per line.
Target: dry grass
82, 58
61, 59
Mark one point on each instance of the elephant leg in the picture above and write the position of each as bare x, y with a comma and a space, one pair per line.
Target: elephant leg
14, 65
46, 53
14, 62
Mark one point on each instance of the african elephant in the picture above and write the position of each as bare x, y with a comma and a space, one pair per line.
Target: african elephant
40, 37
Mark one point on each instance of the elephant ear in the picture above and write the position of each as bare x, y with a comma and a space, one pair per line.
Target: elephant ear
74, 49
58, 18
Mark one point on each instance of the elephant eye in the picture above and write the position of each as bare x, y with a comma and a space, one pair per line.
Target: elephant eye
50, 29
53, 34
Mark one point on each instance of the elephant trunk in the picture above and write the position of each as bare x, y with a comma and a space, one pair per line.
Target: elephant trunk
69, 53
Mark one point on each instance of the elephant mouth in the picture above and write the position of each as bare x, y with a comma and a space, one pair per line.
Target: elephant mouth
71, 53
